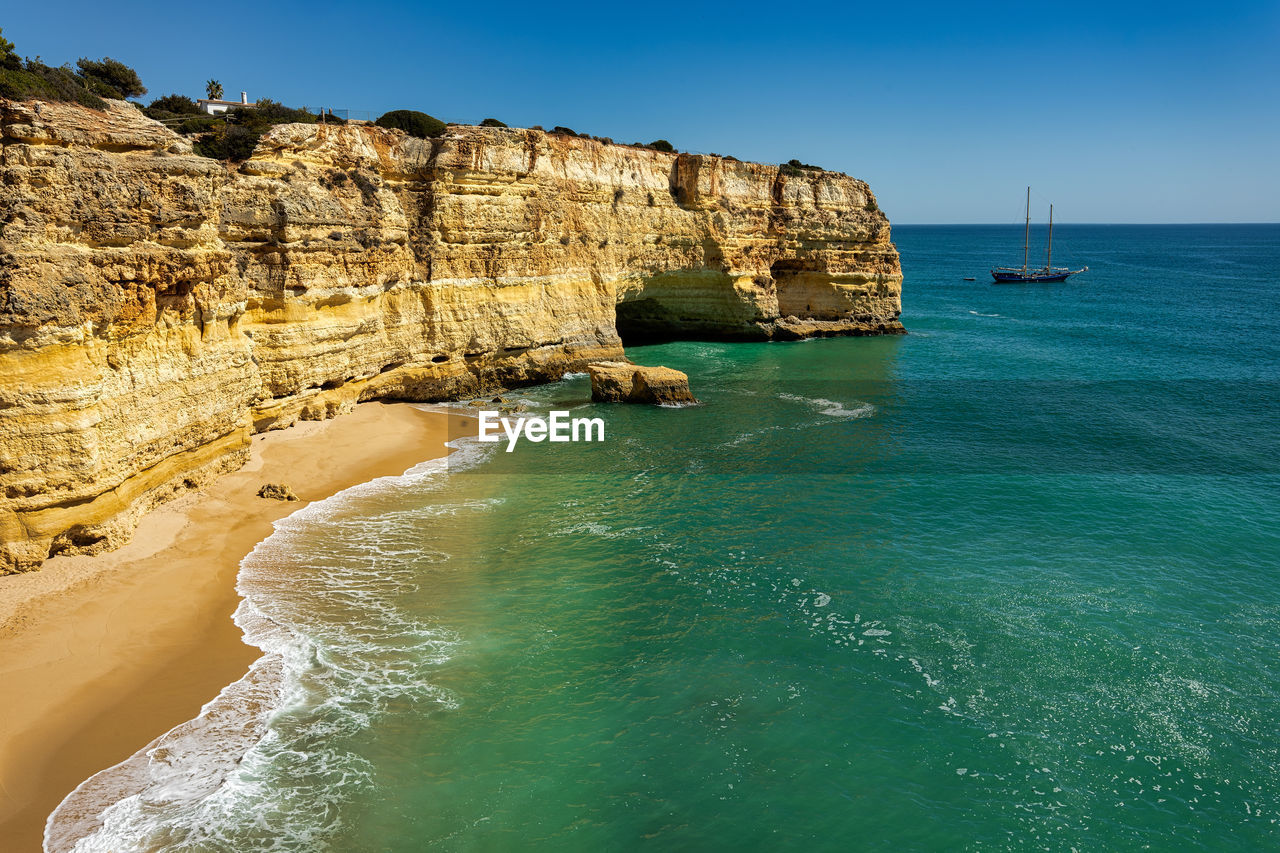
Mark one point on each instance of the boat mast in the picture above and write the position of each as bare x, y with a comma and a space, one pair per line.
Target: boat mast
1048, 257
1026, 236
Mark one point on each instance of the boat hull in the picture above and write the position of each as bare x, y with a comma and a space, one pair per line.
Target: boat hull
1020, 277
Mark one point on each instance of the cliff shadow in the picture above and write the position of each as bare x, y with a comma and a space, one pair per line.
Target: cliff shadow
646, 321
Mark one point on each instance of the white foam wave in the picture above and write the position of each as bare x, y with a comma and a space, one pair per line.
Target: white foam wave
751, 436
263, 766
833, 409
595, 528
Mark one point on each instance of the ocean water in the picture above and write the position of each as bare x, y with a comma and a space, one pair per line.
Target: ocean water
1009, 582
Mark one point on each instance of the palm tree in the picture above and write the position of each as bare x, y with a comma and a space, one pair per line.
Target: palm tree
214, 90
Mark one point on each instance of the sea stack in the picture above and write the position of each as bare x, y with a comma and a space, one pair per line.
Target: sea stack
623, 382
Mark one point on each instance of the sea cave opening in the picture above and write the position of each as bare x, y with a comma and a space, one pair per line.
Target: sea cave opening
645, 321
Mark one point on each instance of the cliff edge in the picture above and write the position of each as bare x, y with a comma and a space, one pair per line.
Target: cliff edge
157, 308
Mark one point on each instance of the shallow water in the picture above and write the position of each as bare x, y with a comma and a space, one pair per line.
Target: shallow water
1008, 582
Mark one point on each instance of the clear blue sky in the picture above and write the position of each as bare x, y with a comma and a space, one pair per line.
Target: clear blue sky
1116, 112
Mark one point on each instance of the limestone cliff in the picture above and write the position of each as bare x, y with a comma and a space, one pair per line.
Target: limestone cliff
158, 308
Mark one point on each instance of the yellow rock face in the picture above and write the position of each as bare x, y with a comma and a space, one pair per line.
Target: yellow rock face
157, 307
623, 382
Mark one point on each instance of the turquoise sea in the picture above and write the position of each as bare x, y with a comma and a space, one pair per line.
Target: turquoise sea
1009, 582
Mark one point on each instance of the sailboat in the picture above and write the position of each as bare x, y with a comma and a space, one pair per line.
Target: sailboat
1014, 275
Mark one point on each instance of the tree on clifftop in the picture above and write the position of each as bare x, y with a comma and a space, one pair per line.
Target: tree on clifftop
31, 79
175, 105
110, 78
8, 59
413, 123
235, 136
214, 90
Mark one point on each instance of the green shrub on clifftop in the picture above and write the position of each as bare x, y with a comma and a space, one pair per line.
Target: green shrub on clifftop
794, 168
235, 136
9, 60
97, 79
111, 78
412, 122
229, 142
268, 113
37, 81
180, 113
174, 105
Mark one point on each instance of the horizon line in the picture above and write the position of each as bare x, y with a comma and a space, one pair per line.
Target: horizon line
1041, 224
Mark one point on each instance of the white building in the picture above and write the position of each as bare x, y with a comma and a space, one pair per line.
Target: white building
215, 107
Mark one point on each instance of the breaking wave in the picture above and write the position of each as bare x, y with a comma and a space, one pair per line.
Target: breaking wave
832, 409
267, 764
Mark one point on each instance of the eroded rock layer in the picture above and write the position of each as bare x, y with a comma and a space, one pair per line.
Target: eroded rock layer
157, 308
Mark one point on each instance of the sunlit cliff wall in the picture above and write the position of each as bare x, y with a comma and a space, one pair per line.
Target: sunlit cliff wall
157, 308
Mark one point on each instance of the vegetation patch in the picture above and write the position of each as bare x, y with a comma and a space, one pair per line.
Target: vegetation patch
795, 169
234, 135
561, 130
412, 122
110, 78
173, 105
227, 142
87, 85
181, 114
656, 145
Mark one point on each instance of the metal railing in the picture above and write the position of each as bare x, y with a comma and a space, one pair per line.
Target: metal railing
344, 113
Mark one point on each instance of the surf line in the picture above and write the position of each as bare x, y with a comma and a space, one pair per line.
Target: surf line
559, 427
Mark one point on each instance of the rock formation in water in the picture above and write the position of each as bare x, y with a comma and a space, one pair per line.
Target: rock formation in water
158, 308
624, 382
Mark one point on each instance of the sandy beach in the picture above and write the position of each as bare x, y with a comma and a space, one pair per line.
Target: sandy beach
99, 655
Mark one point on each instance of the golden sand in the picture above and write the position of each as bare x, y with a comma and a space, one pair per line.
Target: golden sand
100, 655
